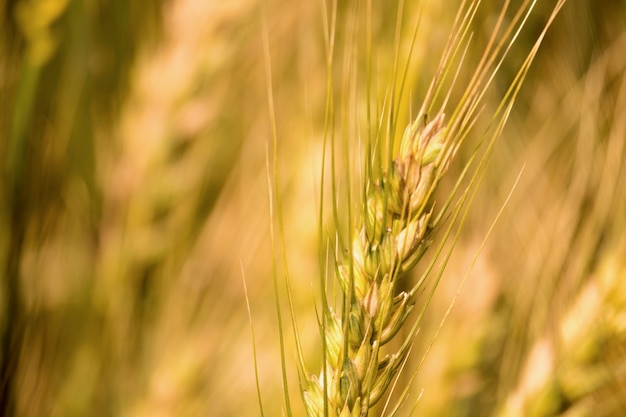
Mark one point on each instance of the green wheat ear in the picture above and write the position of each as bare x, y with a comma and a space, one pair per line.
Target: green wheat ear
392, 237
398, 221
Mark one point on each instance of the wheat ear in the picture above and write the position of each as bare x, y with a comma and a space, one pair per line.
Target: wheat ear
392, 237
396, 228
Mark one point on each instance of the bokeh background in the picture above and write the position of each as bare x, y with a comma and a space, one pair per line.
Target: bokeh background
138, 171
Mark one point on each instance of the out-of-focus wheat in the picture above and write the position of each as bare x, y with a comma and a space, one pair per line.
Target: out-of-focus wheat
579, 370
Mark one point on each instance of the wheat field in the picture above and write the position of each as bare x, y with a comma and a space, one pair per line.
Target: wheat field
184, 182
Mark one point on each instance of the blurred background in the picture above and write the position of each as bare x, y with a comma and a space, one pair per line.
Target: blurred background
137, 176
